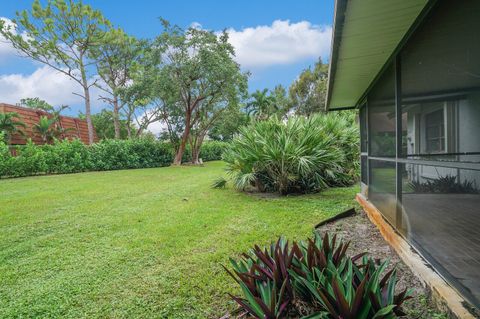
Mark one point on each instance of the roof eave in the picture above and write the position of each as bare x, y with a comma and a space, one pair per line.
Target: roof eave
339, 10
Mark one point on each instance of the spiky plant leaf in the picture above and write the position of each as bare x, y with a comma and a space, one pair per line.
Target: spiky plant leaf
219, 183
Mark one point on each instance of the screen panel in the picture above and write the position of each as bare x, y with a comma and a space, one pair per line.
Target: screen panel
441, 216
440, 86
381, 116
364, 169
382, 188
363, 129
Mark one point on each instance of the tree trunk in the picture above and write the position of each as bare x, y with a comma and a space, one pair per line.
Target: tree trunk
183, 142
116, 118
88, 115
129, 121
196, 149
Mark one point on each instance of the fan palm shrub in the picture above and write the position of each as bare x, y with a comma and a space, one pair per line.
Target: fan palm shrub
299, 155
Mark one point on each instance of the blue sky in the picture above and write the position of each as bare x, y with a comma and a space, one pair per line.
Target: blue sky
275, 40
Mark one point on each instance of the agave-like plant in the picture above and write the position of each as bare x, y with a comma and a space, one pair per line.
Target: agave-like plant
219, 183
299, 155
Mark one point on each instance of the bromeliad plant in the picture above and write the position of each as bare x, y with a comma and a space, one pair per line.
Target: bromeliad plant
320, 274
316, 255
264, 279
355, 292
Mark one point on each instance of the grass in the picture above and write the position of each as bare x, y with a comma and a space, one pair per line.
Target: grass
145, 243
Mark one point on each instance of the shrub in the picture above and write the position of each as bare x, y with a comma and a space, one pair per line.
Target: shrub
5, 157
300, 155
152, 153
31, 160
66, 156
112, 155
212, 150
444, 185
318, 275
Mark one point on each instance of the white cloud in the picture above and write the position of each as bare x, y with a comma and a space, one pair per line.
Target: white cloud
196, 25
45, 83
6, 49
157, 127
282, 42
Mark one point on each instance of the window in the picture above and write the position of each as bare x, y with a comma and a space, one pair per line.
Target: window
435, 132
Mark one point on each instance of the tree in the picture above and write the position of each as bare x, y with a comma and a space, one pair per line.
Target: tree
61, 35
36, 103
281, 101
260, 104
116, 61
149, 96
199, 64
104, 125
206, 116
50, 127
11, 123
46, 128
146, 100
308, 93
228, 125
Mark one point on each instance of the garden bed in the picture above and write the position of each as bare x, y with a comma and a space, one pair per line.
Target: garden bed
364, 236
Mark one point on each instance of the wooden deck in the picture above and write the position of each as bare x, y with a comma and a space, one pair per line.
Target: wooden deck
447, 228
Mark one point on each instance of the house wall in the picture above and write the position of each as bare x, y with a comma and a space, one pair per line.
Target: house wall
421, 162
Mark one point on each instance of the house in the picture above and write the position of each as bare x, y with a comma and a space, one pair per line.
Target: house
75, 127
412, 68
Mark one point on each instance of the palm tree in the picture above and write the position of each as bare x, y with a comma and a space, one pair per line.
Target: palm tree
261, 105
10, 123
46, 128
50, 128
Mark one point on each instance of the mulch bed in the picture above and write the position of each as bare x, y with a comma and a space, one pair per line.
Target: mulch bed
365, 237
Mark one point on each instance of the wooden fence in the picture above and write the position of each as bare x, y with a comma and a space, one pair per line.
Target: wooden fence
77, 128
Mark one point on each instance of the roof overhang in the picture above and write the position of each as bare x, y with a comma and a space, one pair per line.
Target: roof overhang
366, 34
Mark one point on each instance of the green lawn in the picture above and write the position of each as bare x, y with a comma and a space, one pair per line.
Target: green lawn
137, 243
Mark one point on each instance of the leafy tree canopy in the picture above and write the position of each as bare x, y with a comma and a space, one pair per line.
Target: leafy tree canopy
36, 103
61, 34
308, 93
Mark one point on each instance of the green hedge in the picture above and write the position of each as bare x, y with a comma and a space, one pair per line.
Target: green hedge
73, 156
